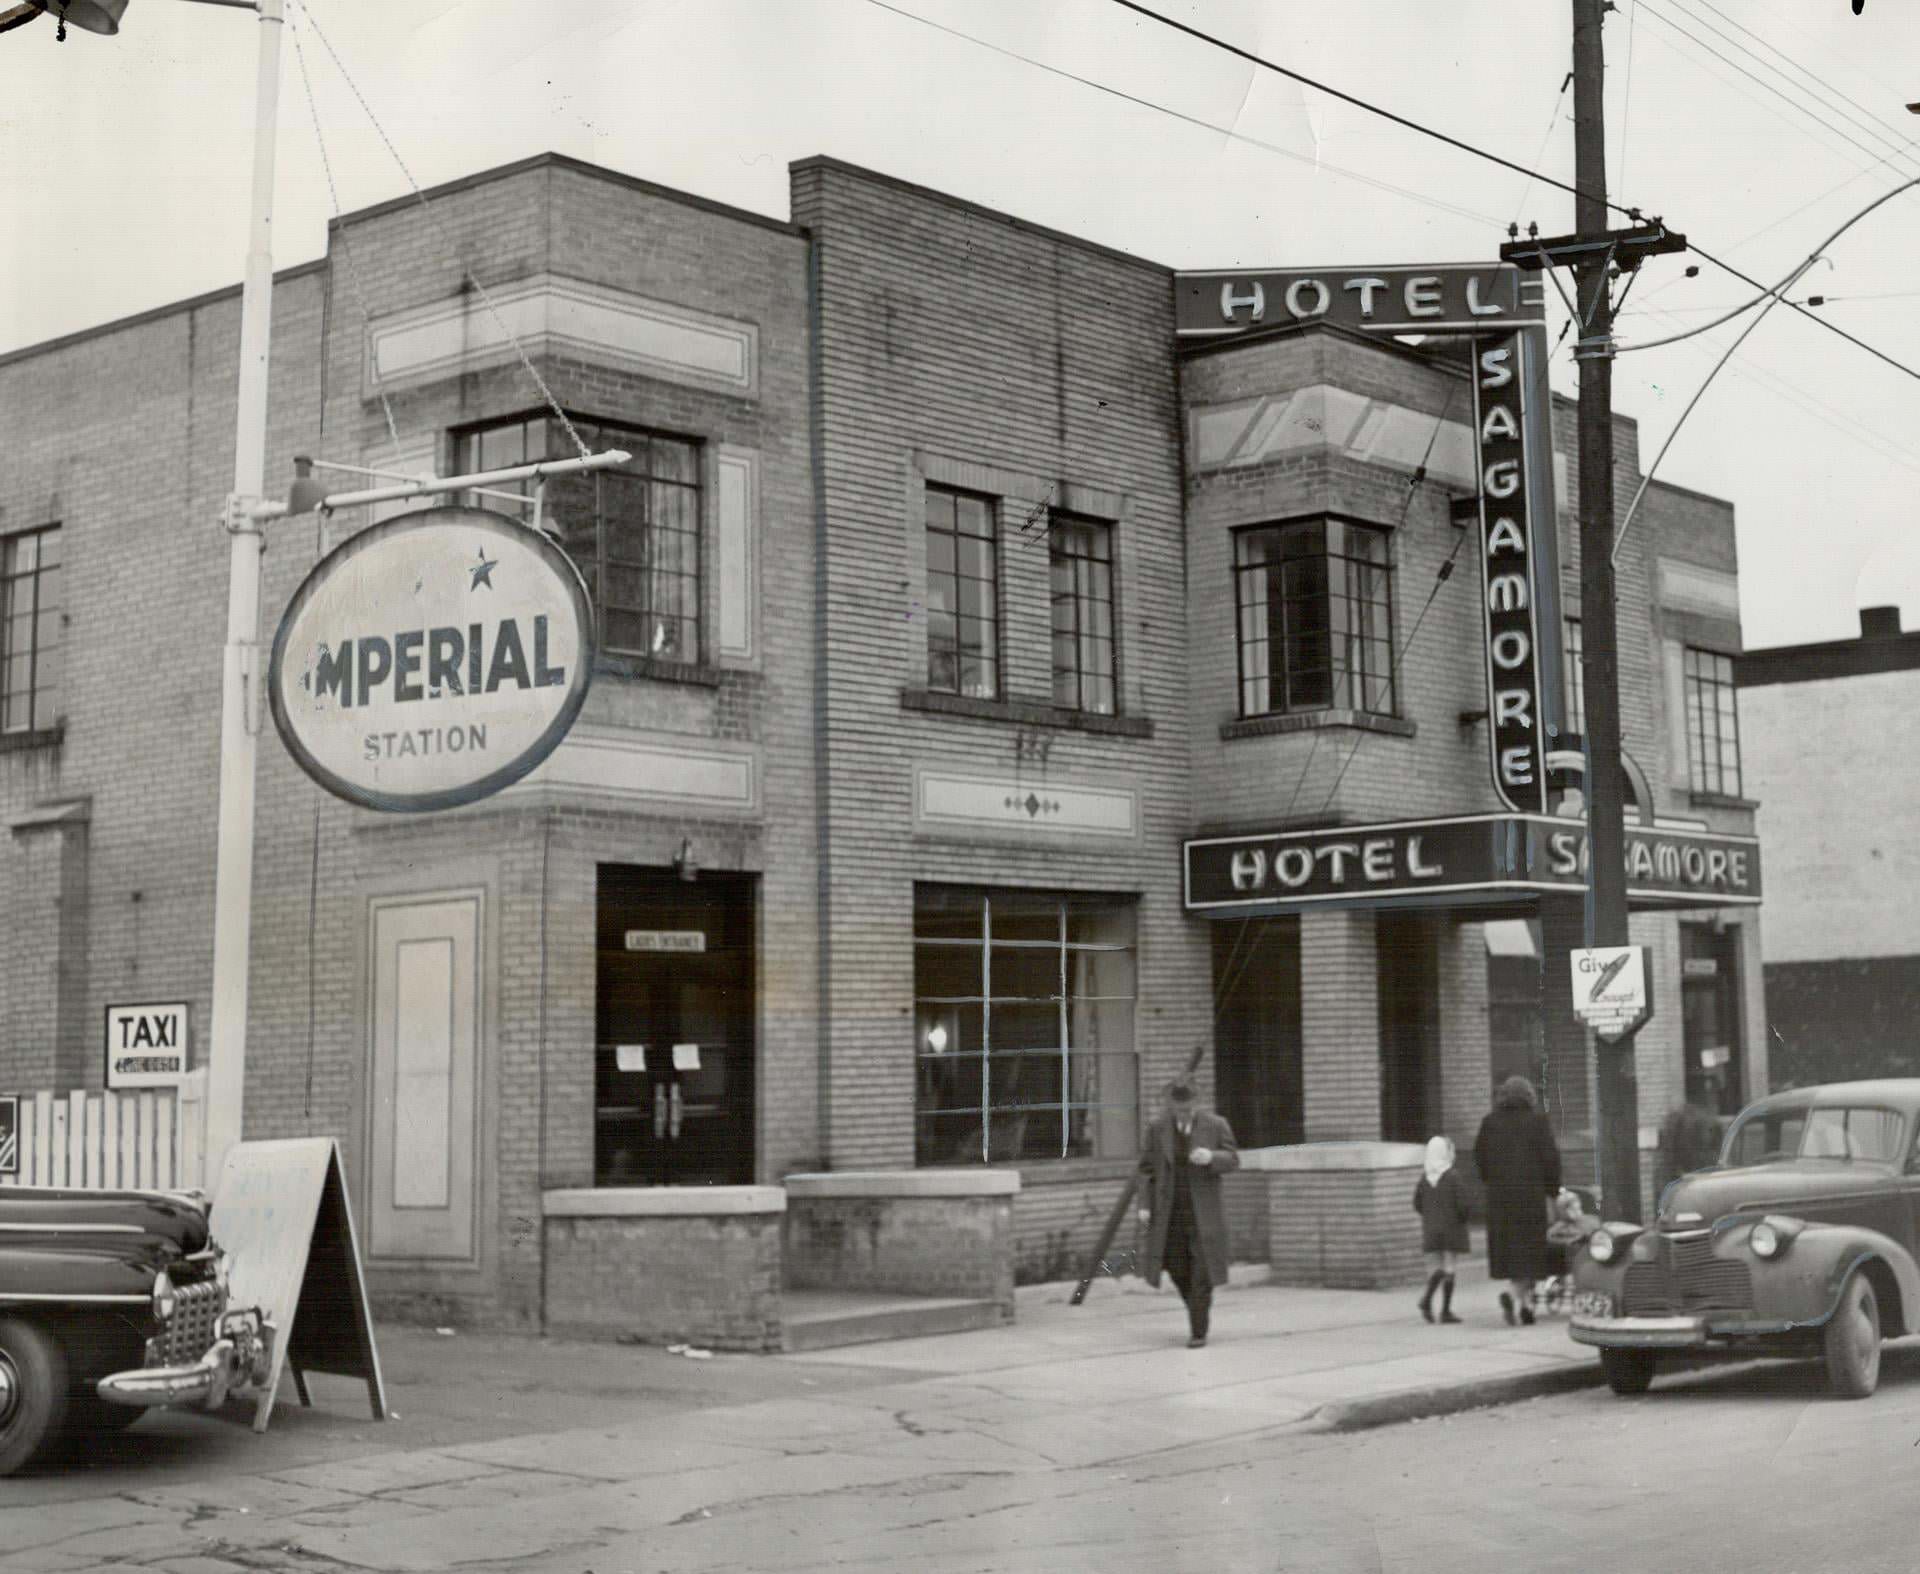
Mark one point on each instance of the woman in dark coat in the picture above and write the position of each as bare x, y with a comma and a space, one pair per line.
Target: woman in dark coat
1520, 1169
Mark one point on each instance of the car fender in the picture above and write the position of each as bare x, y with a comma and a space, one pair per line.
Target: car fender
44, 1275
1806, 1281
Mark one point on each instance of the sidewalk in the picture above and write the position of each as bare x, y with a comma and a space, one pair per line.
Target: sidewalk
533, 1453
1337, 1359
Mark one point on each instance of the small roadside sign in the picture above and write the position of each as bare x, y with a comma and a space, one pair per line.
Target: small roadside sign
1610, 989
146, 1045
10, 1135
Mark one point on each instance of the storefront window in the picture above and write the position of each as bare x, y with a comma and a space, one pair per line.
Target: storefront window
634, 531
1023, 1027
1315, 618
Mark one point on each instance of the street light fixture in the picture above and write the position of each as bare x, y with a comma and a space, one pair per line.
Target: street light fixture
90, 16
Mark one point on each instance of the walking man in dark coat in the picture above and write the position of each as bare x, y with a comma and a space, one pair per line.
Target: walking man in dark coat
1188, 1150
1520, 1169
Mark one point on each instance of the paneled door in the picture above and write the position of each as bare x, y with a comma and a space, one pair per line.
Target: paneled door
426, 1035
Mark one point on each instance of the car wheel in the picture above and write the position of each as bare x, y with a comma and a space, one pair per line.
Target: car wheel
1852, 1341
1628, 1371
33, 1391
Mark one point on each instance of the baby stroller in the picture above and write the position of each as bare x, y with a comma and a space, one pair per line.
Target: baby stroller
1574, 1215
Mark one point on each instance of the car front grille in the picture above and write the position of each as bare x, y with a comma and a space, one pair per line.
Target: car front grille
1689, 1281
190, 1331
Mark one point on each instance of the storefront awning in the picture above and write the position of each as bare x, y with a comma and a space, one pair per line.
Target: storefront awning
1483, 860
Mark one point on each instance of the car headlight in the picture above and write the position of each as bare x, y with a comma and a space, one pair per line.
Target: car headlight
1772, 1236
1601, 1246
163, 1297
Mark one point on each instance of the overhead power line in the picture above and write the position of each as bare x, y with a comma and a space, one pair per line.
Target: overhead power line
1877, 154
1358, 103
1831, 95
1482, 153
1193, 120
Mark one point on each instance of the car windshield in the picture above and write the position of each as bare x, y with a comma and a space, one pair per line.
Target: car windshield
1829, 1132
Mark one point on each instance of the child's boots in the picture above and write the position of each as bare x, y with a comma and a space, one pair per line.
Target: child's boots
1434, 1281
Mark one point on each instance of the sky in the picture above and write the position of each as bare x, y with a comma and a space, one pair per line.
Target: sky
1755, 127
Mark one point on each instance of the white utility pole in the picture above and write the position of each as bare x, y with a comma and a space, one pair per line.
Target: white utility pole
243, 672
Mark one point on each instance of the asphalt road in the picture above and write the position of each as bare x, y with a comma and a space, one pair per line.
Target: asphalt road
519, 1455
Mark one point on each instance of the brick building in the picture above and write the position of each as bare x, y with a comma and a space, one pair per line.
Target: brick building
937, 611
1843, 944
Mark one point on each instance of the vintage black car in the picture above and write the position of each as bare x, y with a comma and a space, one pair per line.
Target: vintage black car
111, 1303
1802, 1240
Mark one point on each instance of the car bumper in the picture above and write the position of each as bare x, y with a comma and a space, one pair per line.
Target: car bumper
240, 1357
205, 1383
1640, 1333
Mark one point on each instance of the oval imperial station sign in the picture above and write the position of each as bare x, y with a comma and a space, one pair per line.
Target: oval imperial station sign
432, 659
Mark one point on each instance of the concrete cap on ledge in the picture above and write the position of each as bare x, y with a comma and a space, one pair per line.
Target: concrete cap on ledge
906, 1183
1335, 1156
628, 1202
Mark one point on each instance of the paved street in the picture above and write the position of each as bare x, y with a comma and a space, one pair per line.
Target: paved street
1086, 1438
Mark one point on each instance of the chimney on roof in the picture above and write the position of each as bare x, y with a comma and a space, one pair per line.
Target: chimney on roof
1879, 622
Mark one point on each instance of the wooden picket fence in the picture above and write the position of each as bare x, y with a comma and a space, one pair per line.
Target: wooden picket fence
151, 1139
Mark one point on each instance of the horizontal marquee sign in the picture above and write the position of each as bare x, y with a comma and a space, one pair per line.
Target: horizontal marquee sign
1471, 298
1474, 859
432, 659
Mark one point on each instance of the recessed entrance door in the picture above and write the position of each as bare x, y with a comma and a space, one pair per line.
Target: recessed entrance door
1710, 1016
674, 1069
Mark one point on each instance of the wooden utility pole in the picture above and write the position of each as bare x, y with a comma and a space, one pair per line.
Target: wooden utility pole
1597, 254
1616, 1098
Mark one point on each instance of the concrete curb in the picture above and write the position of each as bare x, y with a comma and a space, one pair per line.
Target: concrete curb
1414, 1404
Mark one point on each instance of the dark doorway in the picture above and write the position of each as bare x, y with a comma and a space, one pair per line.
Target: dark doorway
1408, 969
1710, 1017
674, 1065
1516, 1039
1256, 994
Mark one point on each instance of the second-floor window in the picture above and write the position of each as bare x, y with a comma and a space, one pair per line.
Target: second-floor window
1315, 613
1576, 684
1080, 553
30, 656
963, 595
634, 531
1713, 725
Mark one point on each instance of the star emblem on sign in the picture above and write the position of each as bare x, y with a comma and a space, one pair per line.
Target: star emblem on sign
482, 571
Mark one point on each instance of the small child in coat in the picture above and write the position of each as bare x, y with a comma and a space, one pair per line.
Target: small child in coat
1441, 1202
